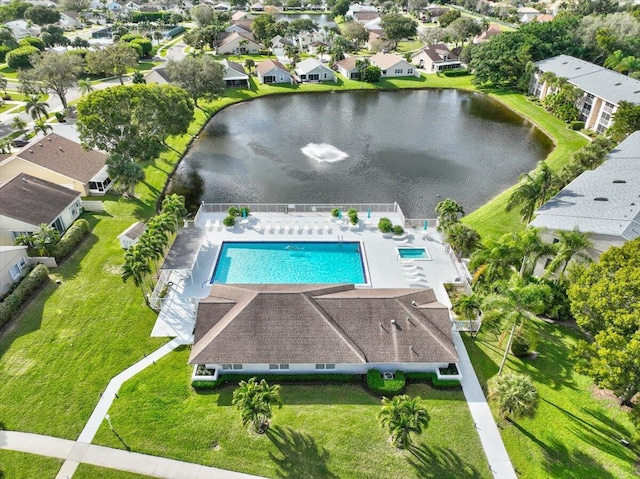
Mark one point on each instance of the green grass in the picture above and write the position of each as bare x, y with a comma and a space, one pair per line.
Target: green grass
87, 471
409, 46
491, 219
573, 435
73, 337
20, 465
8, 72
323, 431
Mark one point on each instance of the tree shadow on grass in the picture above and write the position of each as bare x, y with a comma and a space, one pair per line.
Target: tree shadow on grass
440, 463
298, 455
70, 266
22, 325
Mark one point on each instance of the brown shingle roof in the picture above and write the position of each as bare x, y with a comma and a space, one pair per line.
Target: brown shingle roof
234, 35
268, 65
386, 60
347, 63
320, 324
34, 201
65, 157
365, 16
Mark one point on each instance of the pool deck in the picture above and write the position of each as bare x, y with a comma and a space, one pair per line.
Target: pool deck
385, 269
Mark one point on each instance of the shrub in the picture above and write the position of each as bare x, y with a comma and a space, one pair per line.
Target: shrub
398, 230
71, 239
276, 378
3, 52
229, 221
576, 125
335, 212
145, 43
34, 42
233, 211
23, 292
385, 225
129, 37
137, 48
385, 387
353, 216
20, 57
456, 73
418, 377
521, 344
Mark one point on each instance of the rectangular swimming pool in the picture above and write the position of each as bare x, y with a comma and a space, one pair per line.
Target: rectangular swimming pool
413, 253
299, 262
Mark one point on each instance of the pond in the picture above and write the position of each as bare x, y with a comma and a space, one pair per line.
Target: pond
321, 19
414, 147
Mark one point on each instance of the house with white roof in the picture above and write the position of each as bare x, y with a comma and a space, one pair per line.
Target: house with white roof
527, 14
435, 58
394, 65
603, 89
603, 202
358, 7
272, 71
312, 70
70, 20
21, 29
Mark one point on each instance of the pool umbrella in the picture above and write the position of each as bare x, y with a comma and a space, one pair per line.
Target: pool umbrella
369, 213
244, 213
340, 213
426, 224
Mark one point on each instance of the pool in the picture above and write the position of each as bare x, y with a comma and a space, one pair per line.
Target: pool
413, 253
299, 262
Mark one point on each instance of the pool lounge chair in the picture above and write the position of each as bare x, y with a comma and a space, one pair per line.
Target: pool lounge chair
258, 227
277, 228
287, 228
328, 228
316, 228
269, 227
296, 227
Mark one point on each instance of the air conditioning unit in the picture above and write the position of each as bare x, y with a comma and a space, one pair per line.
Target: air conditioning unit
388, 376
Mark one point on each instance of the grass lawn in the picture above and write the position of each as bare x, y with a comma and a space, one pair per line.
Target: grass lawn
20, 465
87, 471
323, 431
8, 72
574, 435
491, 219
57, 359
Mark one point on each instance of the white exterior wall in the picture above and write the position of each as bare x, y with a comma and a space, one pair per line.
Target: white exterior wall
341, 368
233, 47
322, 71
281, 76
9, 259
403, 70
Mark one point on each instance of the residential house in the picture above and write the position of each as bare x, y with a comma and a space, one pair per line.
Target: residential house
158, 76
492, 31
365, 17
238, 44
359, 8
602, 202
374, 25
306, 329
602, 89
313, 47
26, 202
239, 15
527, 14
312, 70
304, 39
222, 7
435, 58
21, 29
347, 68
543, 18
60, 161
234, 75
243, 27
70, 20
435, 12
393, 65
373, 37
271, 71
257, 7
14, 264
279, 46
131, 235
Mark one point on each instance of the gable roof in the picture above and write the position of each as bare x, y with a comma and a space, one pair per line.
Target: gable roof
386, 60
297, 323
158, 75
235, 36
310, 64
267, 65
347, 63
236, 67
34, 201
436, 52
612, 86
601, 201
365, 16
64, 156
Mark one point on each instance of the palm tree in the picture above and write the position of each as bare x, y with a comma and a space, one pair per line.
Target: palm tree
41, 126
630, 64
401, 416
448, 211
18, 123
468, 307
496, 260
173, 205
254, 401
532, 191
85, 87
515, 395
135, 267
614, 60
532, 248
249, 63
571, 244
157, 36
44, 239
321, 50
154, 246
36, 108
463, 239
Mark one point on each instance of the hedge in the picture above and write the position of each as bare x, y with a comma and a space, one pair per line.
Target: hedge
164, 17
20, 57
576, 125
3, 52
34, 42
29, 284
433, 379
385, 387
71, 238
275, 378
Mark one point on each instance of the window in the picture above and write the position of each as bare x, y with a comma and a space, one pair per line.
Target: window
284, 366
410, 71
330, 366
15, 234
237, 366
397, 70
325, 366
22, 264
227, 366
273, 366
319, 366
325, 76
58, 225
314, 76
93, 185
74, 211
14, 272
384, 72
278, 366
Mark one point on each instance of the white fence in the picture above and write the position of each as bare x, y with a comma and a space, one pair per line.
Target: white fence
48, 261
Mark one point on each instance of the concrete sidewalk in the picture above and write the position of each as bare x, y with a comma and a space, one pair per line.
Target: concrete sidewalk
78, 452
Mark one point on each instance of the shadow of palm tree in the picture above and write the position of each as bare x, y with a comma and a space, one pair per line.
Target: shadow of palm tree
440, 463
299, 455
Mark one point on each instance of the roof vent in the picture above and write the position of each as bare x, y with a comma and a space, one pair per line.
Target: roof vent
600, 198
40, 145
49, 138
578, 68
564, 63
394, 323
30, 151
617, 84
414, 304
619, 181
59, 148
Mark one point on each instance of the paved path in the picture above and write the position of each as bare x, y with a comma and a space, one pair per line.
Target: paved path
77, 452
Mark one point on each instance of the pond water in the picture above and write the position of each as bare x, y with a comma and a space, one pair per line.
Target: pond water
414, 147
321, 19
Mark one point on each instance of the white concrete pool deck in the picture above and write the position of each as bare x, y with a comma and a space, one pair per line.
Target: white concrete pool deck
385, 269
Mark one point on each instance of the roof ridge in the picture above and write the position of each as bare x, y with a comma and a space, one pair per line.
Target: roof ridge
428, 326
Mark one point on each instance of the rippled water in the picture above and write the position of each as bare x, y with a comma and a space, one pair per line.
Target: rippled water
413, 147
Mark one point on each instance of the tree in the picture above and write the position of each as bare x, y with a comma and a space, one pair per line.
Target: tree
448, 17
79, 42
402, 416
138, 78
571, 244
20, 58
41, 126
85, 87
128, 172
496, 260
371, 74
18, 123
157, 35
203, 15
173, 205
614, 60
255, 401
626, 120
263, 27
462, 238
41, 15
249, 64
112, 60
468, 306
448, 211
135, 267
562, 102
531, 248
44, 239
514, 394
463, 29
396, 27
340, 8
533, 190
74, 5
355, 32
54, 73
200, 76
53, 35
36, 107
34, 42
134, 120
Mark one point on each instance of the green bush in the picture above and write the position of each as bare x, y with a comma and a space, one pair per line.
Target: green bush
235, 378
335, 212
576, 125
398, 230
34, 42
385, 225
456, 73
233, 211
138, 49
3, 52
129, 37
418, 377
521, 345
71, 239
145, 43
353, 216
163, 17
29, 284
385, 387
19, 58
229, 221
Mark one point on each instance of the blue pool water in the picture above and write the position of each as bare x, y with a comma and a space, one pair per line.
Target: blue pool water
413, 253
289, 262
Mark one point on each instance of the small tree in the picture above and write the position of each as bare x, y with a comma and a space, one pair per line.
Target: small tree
44, 240
255, 401
448, 211
128, 172
514, 394
402, 416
